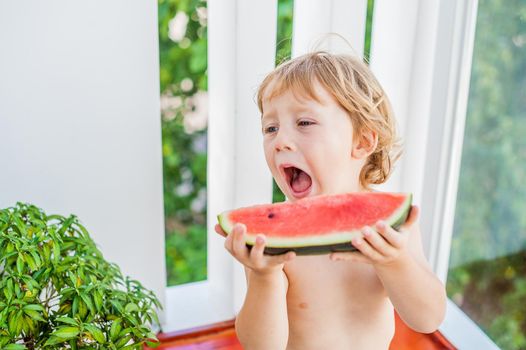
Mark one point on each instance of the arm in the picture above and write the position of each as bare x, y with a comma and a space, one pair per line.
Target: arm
416, 293
262, 322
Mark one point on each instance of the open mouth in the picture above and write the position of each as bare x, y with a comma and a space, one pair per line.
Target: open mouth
298, 180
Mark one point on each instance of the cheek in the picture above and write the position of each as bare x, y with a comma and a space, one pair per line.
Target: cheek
267, 150
335, 151
331, 162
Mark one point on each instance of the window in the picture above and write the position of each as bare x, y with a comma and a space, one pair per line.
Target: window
283, 51
233, 71
487, 270
184, 108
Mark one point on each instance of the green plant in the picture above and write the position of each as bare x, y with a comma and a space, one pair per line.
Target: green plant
58, 292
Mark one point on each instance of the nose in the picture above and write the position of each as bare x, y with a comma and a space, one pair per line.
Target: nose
283, 141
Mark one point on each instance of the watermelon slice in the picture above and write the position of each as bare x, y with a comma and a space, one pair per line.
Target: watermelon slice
320, 224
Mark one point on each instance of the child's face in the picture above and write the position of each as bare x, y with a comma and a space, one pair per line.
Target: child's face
309, 145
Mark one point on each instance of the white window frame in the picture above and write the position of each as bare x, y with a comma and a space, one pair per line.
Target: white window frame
314, 19
423, 59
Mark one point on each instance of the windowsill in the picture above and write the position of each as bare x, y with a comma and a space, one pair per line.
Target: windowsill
463, 332
222, 336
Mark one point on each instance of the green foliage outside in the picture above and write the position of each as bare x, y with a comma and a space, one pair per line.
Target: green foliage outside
488, 255
284, 30
58, 292
493, 293
183, 65
368, 31
283, 53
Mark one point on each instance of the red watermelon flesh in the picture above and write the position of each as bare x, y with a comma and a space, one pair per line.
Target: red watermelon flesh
320, 224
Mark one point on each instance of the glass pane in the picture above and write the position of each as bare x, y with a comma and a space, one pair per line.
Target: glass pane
184, 109
487, 268
368, 31
283, 52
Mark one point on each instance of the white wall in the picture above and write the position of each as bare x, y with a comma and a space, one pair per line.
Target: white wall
80, 124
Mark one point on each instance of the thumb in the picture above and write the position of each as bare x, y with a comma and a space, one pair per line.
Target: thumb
283, 258
412, 218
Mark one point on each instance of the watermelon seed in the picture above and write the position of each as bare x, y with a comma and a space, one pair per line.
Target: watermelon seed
271, 215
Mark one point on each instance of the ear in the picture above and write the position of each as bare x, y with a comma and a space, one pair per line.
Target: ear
365, 144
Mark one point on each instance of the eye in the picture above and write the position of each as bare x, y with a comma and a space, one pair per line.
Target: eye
305, 123
270, 129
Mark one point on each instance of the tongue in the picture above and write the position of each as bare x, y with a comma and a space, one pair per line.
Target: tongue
300, 181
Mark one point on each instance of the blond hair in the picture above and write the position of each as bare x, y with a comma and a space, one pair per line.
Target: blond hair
354, 87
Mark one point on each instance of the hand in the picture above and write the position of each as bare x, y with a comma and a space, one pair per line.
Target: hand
383, 246
254, 258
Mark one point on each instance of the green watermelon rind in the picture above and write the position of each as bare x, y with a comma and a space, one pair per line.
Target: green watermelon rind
330, 242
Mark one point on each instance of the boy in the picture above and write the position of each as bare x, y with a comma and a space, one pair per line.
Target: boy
328, 128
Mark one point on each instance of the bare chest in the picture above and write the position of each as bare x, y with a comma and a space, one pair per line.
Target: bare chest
316, 280
329, 300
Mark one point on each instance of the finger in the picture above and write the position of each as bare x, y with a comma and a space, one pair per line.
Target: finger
377, 241
366, 249
239, 248
228, 242
219, 230
256, 253
393, 237
282, 258
349, 256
